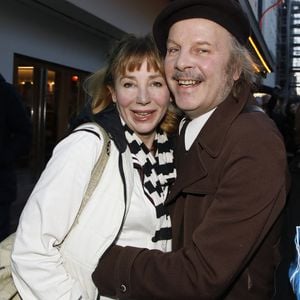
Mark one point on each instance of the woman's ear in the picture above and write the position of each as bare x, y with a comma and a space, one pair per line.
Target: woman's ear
113, 94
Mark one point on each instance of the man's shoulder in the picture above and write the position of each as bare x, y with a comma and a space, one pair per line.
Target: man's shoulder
254, 125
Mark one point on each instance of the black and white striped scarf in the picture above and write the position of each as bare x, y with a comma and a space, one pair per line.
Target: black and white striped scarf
157, 173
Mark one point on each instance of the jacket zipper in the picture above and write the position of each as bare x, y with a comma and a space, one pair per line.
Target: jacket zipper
125, 202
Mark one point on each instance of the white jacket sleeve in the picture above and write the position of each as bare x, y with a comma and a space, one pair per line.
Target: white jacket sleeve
49, 213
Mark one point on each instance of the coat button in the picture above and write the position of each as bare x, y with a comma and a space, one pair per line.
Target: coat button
123, 288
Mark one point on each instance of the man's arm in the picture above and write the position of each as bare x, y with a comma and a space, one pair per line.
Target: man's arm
249, 198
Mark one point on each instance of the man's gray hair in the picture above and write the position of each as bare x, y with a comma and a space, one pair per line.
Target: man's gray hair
242, 59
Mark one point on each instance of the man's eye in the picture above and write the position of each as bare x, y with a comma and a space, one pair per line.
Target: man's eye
201, 50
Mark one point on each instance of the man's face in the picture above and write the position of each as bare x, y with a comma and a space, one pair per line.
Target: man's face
196, 65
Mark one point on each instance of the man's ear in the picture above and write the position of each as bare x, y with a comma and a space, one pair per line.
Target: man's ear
237, 72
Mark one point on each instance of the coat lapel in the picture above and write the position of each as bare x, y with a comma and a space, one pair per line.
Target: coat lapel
188, 171
214, 132
190, 165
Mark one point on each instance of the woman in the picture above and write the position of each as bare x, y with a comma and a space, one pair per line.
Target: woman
130, 101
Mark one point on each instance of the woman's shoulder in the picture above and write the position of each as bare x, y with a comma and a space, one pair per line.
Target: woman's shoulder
84, 143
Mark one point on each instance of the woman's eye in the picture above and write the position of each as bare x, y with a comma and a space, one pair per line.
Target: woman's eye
127, 84
157, 84
172, 50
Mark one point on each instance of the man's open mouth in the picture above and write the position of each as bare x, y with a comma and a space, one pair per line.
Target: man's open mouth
188, 82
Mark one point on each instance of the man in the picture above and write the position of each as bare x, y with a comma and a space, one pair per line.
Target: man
230, 190
297, 130
15, 140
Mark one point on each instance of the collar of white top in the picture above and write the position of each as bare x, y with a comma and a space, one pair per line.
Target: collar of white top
193, 128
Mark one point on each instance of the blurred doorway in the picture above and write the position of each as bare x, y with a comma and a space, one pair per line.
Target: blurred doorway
52, 95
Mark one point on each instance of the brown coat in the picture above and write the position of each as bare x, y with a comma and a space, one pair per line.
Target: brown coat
225, 205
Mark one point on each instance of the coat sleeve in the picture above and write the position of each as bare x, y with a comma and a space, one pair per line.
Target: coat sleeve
249, 198
37, 265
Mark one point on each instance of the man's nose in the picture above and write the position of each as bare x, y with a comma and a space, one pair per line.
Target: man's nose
183, 60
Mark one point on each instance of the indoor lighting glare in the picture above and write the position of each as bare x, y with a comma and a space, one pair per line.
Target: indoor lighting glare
24, 82
25, 68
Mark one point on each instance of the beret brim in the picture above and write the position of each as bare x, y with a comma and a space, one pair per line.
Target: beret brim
227, 13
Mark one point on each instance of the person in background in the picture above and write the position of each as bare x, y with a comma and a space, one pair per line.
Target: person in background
131, 101
275, 110
15, 141
297, 130
290, 256
226, 202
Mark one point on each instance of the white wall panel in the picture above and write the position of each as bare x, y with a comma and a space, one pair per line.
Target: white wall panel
42, 36
135, 16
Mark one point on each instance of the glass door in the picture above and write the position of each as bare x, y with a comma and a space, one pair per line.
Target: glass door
52, 95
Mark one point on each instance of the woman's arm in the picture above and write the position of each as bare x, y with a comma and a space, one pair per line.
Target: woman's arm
37, 264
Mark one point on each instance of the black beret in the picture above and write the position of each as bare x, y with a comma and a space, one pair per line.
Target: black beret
227, 13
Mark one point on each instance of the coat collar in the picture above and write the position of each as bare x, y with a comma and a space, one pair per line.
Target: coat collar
211, 139
191, 167
109, 119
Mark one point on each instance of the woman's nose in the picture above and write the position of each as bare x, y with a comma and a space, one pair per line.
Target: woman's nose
143, 96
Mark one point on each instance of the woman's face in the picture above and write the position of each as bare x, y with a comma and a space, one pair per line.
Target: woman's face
142, 98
